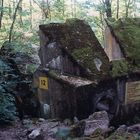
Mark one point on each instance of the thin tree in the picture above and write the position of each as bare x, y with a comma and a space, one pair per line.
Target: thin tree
31, 15
48, 9
118, 7
45, 8
128, 5
72, 8
9, 9
63, 9
1, 13
108, 8
20, 13
14, 19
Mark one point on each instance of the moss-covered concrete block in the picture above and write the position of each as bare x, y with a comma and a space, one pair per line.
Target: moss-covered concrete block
127, 34
78, 40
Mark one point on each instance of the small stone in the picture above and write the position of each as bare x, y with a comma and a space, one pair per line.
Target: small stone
35, 134
77, 130
76, 120
41, 119
27, 122
122, 129
96, 121
67, 122
62, 132
135, 129
53, 131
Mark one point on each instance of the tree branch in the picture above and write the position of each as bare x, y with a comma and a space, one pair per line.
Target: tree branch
14, 19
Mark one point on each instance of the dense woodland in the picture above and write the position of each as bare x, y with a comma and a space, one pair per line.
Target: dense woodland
19, 19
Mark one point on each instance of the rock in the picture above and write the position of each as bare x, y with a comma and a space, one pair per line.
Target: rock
60, 132
41, 119
35, 135
52, 132
67, 122
77, 130
49, 138
122, 129
27, 122
101, 115
96, 121
135, 129
75, 119
107, 132
46, 109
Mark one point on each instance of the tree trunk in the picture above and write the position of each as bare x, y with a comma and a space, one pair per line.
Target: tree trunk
48, 9
108, 8
31, 16
72, 8
63, 8
20, 13
10, 10
1, 14
118, 7
14, 19
127, 8
134, 8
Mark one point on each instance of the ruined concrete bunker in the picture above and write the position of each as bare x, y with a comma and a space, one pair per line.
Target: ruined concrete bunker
75, 76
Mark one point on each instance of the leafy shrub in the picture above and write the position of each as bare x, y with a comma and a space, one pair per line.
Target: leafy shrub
7, 101
7, 106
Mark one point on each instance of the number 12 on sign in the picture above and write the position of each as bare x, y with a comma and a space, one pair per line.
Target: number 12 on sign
43, 82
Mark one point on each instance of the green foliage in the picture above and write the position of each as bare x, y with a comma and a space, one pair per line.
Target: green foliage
7, 106
129, 36
7, 101
86, 56
15, 47
119, 68
124, 136
30, 68
40, 12
127, 32
24, 55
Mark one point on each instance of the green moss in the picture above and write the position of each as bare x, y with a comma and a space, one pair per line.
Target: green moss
119, 68
85, 56
124, 136
74, 21
127, 32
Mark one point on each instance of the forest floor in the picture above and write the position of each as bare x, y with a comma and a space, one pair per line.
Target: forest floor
41, 129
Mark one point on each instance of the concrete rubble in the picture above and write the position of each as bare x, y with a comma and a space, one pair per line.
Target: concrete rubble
94, 127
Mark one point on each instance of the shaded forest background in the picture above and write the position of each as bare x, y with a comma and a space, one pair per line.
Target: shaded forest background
19, 19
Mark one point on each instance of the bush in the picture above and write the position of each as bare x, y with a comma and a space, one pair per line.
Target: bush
7, 100
7, 107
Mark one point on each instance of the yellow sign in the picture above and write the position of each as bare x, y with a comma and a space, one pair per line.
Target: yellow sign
132, 94
43, 82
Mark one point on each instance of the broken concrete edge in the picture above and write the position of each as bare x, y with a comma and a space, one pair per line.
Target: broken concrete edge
73, 81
